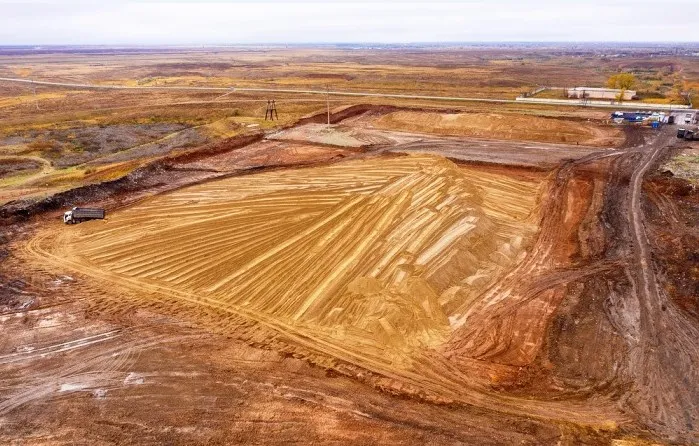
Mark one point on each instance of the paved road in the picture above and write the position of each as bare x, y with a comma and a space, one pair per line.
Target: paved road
284, 90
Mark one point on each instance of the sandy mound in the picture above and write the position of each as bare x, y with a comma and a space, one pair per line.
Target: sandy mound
331, 135
372, 263
374, 256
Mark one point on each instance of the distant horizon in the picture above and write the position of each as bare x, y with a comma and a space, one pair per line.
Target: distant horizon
348, 43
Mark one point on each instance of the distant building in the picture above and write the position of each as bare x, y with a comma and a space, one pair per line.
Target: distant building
599, 93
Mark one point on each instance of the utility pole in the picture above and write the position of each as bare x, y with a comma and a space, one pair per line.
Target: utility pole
36, 101
327, 101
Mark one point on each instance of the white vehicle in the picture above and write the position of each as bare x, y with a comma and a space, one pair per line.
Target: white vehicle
77, 215
688, 118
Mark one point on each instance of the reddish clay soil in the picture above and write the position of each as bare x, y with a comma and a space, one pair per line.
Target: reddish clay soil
672, 210
589, 338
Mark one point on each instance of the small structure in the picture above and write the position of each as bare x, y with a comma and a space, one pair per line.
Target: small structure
271, 110
599, 93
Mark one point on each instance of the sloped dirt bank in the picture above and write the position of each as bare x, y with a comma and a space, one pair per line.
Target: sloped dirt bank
631, 333
154, 176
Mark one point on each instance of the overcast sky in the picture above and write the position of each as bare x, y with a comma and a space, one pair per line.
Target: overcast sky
220, 22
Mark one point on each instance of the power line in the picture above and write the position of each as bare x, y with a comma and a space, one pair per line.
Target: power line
271, 110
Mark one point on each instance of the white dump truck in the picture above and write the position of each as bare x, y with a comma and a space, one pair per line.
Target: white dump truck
77, 215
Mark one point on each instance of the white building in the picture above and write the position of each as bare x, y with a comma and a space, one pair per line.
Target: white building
599, 93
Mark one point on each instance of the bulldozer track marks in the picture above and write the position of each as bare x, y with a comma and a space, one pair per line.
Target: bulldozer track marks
308, 254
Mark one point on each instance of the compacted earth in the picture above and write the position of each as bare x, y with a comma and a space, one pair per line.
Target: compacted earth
394, 278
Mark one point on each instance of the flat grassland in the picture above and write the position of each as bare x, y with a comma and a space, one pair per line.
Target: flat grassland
89, 136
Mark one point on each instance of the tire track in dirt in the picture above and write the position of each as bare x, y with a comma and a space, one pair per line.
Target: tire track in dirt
435, 214
487, 331
664, 359
88, 363
58, 348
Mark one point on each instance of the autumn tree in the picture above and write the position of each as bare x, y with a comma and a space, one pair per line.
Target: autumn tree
621, 81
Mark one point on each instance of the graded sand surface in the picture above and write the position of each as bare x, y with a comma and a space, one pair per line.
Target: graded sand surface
341, 136
377, 259
324, 248
381, 264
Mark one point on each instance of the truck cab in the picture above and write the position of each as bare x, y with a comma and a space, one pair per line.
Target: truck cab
68, 217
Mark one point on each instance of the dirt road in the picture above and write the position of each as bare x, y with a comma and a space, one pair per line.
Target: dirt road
664, 360
46, 166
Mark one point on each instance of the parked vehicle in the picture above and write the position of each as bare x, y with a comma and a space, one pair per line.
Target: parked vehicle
77, 215
633, 117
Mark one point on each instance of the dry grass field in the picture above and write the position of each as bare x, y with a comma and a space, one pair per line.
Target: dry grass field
82, 132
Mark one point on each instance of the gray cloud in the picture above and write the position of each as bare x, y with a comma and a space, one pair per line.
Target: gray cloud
189, 22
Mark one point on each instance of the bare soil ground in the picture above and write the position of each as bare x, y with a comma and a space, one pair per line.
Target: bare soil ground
440, 304
504, 126
351, 284
143, 377
672, 206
